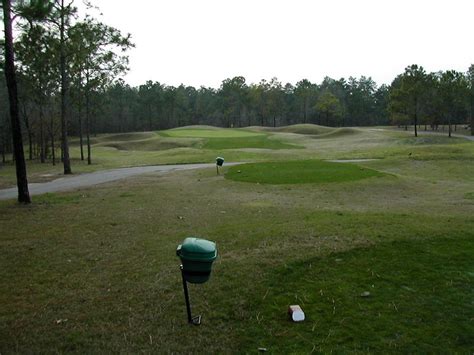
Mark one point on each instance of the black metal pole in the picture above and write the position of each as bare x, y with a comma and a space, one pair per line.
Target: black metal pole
186, 295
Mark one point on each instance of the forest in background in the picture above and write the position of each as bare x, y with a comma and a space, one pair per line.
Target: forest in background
90, 87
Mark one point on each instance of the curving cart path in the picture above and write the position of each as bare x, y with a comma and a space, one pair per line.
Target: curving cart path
67, 183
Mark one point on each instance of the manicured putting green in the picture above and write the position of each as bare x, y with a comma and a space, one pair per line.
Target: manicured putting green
210, 133
299, 172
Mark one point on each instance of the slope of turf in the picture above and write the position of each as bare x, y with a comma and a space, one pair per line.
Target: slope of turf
259, 142
132, 136
299, 172
226, 138
337, 132
391, 296
156, 143
305, 129
209, 133
95, 270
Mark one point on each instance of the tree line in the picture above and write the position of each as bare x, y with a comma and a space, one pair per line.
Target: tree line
67, 82
414, 96
57, 62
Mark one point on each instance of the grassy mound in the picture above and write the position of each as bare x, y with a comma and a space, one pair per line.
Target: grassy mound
149, 145
147, 141
133, 136
371, 299
305, 129
227, 138
201, 126
259, 142
208, 133
338, 132
299, 172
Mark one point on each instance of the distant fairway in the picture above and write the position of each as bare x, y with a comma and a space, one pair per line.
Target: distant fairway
228, 138
378, 253
206, 133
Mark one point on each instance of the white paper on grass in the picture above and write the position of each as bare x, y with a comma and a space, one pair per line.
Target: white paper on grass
297, 316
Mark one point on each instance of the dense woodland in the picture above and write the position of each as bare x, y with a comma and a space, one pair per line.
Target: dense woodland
69, 70
439, 98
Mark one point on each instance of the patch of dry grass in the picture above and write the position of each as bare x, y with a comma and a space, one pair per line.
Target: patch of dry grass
95, 270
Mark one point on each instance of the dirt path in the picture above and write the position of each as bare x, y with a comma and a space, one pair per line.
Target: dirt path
99, 177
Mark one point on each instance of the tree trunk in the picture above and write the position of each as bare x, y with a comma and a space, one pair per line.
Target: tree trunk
53, 151
21, 176
89, 160
81, 140
416, 122
79, 111
64, 95
304, 112
4, 158
42, 138
150, 125
472, 119
29, 132
449, 126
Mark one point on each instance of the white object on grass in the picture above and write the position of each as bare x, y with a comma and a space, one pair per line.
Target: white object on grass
296, 313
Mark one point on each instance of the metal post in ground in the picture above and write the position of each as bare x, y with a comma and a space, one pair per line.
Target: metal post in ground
194, 320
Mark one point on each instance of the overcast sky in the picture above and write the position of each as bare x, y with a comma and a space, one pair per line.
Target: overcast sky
202, 42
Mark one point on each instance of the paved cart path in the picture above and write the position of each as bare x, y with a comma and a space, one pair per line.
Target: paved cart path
67, 183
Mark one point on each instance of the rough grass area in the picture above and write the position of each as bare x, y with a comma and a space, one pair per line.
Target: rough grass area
379, 265
310, 129
259, 142
207, 133
152, 148
132, 136
389, 297
155, 143
299, 172
95, 271
220, 139
338, 132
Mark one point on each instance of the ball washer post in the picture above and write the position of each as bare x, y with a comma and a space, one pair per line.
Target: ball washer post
192, 320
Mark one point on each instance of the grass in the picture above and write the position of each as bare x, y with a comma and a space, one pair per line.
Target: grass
207, 133
149, 148
259, 142
95, 270
299, 172
461, 129
220, 139
370, 300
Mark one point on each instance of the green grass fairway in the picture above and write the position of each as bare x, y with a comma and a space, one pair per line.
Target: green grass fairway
307, 129
206, 133
381, 262
258, 142
299, 172
377, 299
218, 139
